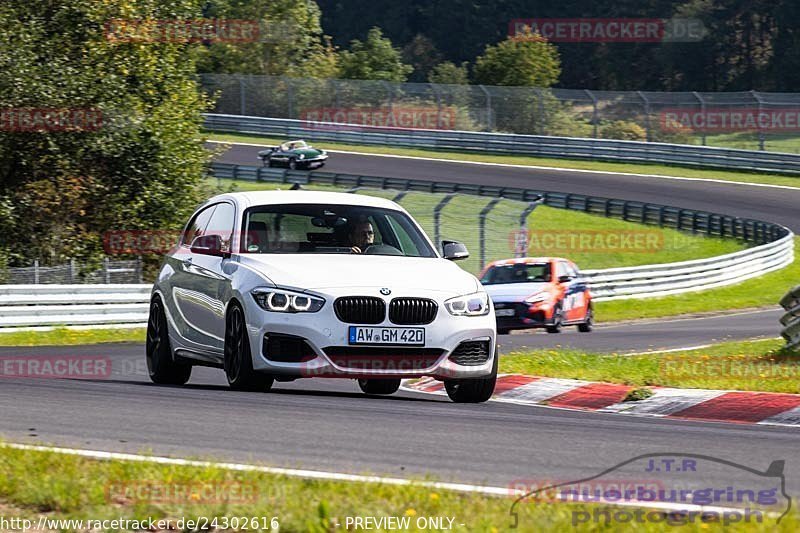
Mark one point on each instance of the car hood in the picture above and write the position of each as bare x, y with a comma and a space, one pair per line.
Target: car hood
308, 152
514, 292
318, 272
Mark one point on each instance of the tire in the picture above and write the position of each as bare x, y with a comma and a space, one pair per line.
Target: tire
238, 362
558, 320
588, 321
476, 390
292, 164
161, 364
379, 386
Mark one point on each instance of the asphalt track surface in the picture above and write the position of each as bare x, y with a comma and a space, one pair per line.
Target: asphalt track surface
329, 425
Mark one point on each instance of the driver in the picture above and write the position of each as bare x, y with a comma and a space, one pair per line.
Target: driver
361, 236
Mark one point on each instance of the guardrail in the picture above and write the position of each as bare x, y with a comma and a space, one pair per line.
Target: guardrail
791, 320
74, 305
534, 145
774, 243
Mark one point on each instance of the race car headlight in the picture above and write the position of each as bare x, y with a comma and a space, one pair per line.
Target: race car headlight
476, 304
536, 298
282, 301
302, 156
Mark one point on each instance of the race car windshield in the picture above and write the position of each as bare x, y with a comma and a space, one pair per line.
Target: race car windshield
518, 273
331, 229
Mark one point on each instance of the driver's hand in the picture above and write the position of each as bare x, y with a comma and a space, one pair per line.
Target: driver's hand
355, 250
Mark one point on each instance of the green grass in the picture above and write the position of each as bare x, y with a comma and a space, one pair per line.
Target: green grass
762, 291
34, 483
71, 337
636, 168
762, 365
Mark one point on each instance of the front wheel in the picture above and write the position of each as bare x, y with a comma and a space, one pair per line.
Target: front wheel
238, 361
558, 320
292, 164
379, 386
476, 390
160, 363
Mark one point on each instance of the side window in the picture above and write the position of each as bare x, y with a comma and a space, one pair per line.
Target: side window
197, 226
221, 223
572, 270
407, 245
561, 269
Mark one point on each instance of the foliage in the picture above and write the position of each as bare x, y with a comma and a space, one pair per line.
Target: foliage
373, 59
526, 60
422, 55
449, 73
290, 42
623, 130
60, 190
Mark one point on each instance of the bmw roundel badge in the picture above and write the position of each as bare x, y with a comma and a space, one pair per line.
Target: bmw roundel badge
385, 291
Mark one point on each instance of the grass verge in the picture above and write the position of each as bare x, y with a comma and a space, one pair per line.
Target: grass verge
36, 483
762, 365
762, 291
71, 337
635, 168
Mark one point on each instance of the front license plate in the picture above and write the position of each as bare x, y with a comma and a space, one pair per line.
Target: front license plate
367, 335
504, 312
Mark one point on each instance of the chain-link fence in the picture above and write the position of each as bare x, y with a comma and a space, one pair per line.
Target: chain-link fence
109, 272
748, 120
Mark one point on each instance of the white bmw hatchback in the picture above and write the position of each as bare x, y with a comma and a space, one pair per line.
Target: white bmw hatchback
280, 285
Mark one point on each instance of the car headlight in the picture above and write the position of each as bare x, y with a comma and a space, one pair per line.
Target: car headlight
476, 304
536, 298
282, 301
302, 156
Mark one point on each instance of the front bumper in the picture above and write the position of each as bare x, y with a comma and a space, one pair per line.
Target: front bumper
329, 354
538, 315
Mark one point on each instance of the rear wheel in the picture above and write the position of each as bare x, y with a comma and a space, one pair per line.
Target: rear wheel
292, 164
476, 390
558, 319
588, 322
379, 386
161, 365
238, 362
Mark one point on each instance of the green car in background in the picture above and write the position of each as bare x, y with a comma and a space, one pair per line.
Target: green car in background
295, 155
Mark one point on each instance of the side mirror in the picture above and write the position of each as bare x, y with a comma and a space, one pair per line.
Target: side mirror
564, 279
208, 245
454, 250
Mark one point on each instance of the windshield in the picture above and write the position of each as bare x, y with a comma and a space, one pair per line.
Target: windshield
294, 145
331, 229
517, 273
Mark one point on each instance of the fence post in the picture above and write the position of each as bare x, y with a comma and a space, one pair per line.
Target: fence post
139, 268
106, 273
489, 114
591, 95
541, 110
482, 229
289, 96
36, 271
242, 97
437, 211
702, 110
646, 114
435, 91
760, 109
523, 226
72, 270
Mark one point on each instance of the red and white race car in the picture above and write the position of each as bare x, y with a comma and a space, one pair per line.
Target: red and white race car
538, 292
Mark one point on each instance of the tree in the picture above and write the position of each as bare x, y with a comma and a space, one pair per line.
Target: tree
422, 55
141, 166
527, 60
291, 41
373, 59
450, 73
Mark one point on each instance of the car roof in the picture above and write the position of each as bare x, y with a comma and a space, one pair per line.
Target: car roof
526, 260
254, 198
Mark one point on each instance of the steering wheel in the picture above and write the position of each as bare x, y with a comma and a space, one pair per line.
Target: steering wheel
381, 249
